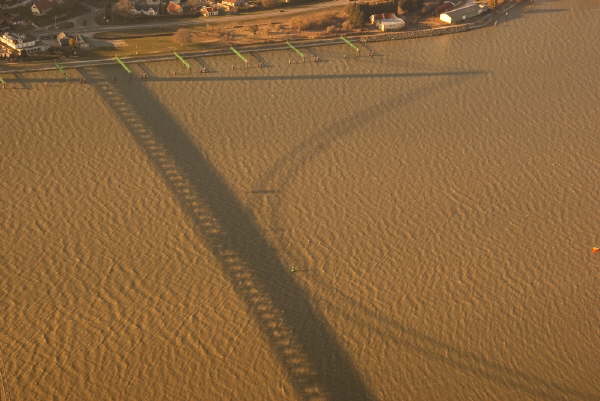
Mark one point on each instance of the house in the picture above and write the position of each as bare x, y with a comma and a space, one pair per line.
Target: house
16, 40
234, 3
209, 11
144, 10
65, 40
462, 14
42, 7
174, 8
387, 22
21, 44
5, 52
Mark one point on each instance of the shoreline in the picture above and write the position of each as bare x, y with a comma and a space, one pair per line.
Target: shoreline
482, 22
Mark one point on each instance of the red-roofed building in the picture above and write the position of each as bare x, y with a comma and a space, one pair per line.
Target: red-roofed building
42, 7
174, 8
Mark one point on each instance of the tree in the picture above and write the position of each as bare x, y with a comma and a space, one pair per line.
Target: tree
356, 16
123, 7
410, 5
270, 3
299, 24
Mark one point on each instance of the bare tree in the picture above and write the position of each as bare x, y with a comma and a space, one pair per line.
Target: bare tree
123, 7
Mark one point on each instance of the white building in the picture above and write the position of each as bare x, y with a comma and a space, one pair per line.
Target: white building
209, 11
20, 44
462, 14
234, 3
387, 22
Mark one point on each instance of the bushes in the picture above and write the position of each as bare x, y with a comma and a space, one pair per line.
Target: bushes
410, 5
123, 7
331, 29
427, 9
347, 25
356, 16
330, 22
316, 22
299, 23
270, 3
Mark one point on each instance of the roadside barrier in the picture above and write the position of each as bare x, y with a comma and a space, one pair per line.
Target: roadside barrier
183, 61
237, 53
123, 65
291, 46
356, 49
61, 69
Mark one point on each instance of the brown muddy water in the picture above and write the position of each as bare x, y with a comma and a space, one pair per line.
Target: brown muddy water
413, 226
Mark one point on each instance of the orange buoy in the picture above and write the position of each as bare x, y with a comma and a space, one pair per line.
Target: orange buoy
595, 250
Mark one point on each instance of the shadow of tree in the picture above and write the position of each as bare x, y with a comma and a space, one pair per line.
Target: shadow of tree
301, 339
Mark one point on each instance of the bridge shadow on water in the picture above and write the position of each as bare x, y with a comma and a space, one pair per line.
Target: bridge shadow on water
152, 77
314, 77
303, 342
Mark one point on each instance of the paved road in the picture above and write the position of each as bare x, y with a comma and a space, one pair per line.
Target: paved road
321, 5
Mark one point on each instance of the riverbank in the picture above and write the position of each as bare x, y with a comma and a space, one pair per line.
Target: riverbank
481, 22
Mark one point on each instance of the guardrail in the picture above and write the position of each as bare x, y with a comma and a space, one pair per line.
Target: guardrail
127, 69
185, 63
237, 53
294, 48
356, 49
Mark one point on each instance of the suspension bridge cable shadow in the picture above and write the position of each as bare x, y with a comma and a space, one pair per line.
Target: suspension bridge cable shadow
285, 170
303, 342
450, 355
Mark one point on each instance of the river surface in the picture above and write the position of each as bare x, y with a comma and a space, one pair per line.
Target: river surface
415, 225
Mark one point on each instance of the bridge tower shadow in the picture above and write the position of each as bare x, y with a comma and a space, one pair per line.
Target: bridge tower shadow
301, 339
